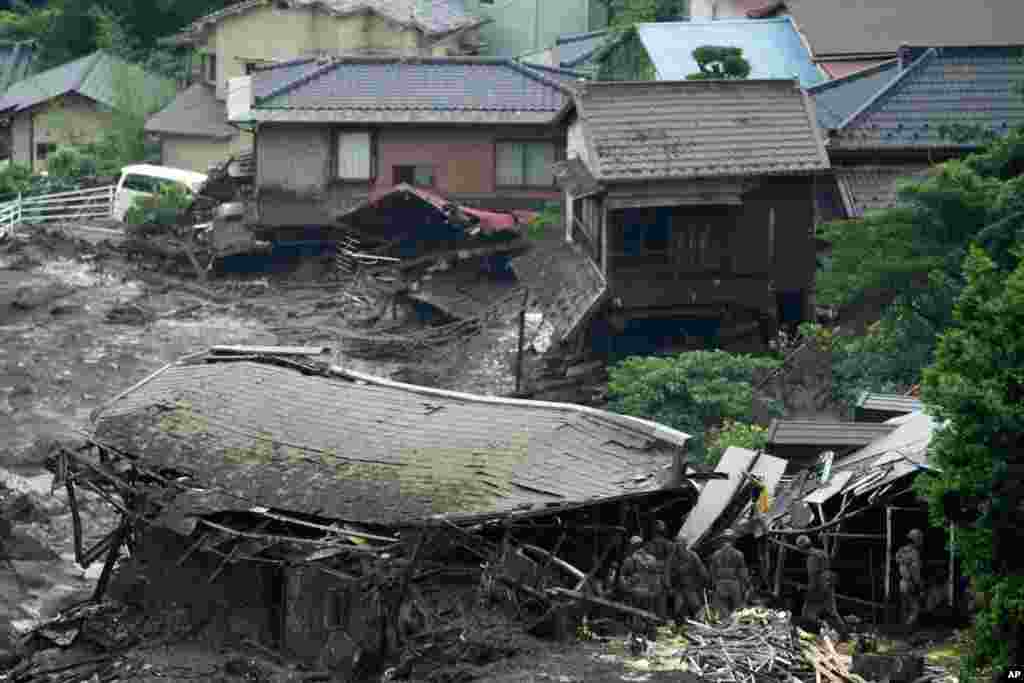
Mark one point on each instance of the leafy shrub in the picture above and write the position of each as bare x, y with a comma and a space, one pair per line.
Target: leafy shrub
14, 178
165, 208
732, 433
71, 163
693, 391
544, 222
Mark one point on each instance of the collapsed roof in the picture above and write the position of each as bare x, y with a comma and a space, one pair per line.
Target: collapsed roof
247, 429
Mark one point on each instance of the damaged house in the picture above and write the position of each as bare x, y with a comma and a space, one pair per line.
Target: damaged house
315, 509
330, 134
695, 200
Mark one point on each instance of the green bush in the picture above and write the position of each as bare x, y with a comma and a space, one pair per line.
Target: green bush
550, 218
14, 179
165, 208
739, 434
71, 163
695, 391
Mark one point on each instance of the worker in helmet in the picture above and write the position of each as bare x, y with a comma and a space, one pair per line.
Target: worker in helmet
908, 564
729, 575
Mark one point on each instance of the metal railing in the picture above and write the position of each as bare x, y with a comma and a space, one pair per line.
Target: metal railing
94, 202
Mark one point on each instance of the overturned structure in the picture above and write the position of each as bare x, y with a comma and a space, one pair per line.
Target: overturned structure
335, 516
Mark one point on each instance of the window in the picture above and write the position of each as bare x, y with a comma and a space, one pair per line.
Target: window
355, 155
698, 243
211, 67
525, 164
44, 149
144, 183
422, 176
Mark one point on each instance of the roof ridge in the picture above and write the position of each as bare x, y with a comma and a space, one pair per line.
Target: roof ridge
874, 99
96, 57
301, 80
538, 77
863, 73
576, 37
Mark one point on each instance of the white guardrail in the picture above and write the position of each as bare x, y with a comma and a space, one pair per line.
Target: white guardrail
94, 202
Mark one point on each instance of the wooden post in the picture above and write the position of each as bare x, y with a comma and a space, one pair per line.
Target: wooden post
108, 566
874, 587
522, 335
888, 552
778, 571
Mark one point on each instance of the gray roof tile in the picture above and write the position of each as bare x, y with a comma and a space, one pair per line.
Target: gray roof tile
894, 403
944, 85
196, 111
691, 129
879, 27
355, 88
374, 451
576, 49
429, 16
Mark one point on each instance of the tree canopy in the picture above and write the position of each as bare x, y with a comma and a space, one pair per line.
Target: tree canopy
717, 63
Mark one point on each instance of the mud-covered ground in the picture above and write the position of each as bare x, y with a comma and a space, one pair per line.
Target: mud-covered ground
79, 323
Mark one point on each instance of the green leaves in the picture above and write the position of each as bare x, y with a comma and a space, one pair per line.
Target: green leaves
717, 63
693, 391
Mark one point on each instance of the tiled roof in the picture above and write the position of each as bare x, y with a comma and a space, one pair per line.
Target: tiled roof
837, 99
96, 76
810, 433
196, 111
430, 16
566, 77
771, 46
16, 61
879, 27
692, 129
576, 49
382, 89
869, 188
943, 86
295, 436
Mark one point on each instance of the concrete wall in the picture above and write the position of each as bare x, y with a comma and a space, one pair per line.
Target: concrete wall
521, 26
192, 153
295, 168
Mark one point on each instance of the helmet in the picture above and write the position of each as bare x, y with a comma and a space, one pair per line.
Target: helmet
660, 527
803, 542
729, 535
635, 540
915, 535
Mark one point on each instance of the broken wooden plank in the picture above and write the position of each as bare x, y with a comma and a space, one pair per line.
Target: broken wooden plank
222, 349
554, 560
601, 602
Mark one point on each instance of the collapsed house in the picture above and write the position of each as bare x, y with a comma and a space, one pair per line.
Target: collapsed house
859, 507
329, 513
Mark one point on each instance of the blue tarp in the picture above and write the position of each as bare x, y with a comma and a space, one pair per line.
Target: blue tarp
771, 46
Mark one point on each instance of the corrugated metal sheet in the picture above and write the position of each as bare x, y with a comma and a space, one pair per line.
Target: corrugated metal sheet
771, 46
835, 486
897, 404
815, 433
364, 449
692, 129
971, 85
717, 494
909, 439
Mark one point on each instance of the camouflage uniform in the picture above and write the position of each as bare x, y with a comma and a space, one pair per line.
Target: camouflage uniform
729, 573
820, 598
908, 561
643, 580
687, 579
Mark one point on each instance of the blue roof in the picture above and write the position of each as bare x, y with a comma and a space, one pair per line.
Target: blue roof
836, 100
771, 46
969, 85
575, 49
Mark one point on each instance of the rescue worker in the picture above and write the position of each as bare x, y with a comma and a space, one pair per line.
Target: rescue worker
729, 575
820, 598
688, 577
642, 578
908, 562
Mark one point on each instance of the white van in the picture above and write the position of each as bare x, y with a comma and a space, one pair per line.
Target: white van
145, 180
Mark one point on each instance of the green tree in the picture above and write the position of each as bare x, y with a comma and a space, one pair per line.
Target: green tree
694, 391
625, 13
717, 63
976, 386
731, 433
